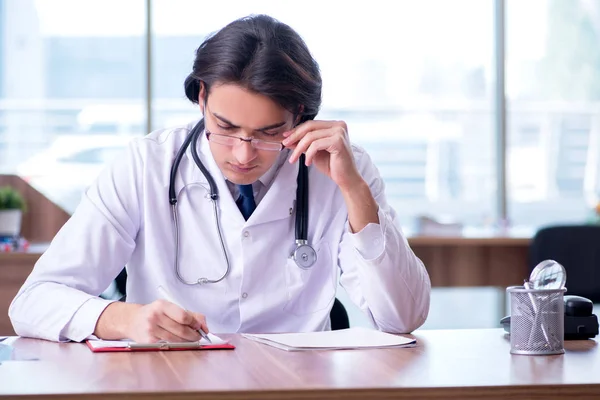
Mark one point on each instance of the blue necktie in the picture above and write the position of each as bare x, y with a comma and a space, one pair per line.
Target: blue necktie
246, 202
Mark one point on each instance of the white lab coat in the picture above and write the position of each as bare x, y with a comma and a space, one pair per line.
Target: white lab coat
125, 219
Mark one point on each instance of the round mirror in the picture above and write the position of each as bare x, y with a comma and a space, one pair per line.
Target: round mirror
548, 274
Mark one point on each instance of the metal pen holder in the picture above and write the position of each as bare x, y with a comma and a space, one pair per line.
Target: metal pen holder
536, 320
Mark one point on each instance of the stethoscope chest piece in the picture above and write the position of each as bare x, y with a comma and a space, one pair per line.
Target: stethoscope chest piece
304, 255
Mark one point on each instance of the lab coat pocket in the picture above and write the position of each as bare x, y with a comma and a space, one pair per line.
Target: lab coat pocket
313, 289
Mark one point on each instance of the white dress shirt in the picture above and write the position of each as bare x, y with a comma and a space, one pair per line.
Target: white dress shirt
262, 185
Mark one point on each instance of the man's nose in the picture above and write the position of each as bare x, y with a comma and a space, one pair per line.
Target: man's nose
244, 152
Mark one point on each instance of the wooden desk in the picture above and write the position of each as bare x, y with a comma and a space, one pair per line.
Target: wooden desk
445, 365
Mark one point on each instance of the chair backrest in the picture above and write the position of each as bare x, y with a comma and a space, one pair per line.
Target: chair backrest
338, 315
577, 248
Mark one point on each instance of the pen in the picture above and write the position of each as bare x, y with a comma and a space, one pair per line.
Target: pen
165, 295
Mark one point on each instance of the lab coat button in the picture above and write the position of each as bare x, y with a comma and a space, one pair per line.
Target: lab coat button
246, 234
244, 295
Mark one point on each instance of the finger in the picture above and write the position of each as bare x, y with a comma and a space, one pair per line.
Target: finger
186, 333
324, 144
164, 334
298, 132
305, 142
182, 319
200, 322
177, 313
333, 133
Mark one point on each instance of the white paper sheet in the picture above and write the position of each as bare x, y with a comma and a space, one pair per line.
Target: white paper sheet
101, 344
353, 338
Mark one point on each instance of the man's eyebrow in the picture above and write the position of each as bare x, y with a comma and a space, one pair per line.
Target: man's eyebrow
264, 128
223, 119
272, 126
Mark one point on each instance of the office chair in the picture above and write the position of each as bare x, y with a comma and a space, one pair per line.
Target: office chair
338, 316
338, 313
577, 248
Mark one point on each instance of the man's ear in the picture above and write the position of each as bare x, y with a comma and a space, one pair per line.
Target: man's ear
202, 97
298, 115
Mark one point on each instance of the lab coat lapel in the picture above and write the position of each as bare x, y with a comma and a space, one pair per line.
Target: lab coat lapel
278, 202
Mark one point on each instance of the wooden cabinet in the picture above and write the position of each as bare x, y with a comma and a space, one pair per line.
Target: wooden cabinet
500, 261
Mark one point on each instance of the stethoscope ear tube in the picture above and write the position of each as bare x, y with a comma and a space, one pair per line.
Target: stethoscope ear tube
304, 255
199, 129
301, 204
192, 138
177, 161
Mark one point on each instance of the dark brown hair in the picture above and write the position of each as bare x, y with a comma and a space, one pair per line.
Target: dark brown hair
264, 56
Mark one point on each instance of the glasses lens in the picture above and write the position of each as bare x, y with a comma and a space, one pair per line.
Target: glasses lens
223, 139
269, 146
234, 140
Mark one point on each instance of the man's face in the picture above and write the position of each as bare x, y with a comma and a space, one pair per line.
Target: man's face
231, 110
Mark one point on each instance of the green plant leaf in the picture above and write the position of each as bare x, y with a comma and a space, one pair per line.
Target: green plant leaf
11, 199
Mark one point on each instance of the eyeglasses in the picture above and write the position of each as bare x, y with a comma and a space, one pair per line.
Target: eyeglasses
231, 141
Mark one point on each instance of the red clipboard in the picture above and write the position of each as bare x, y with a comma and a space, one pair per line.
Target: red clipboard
132, 346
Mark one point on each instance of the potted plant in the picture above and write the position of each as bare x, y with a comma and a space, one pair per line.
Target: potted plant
12, 206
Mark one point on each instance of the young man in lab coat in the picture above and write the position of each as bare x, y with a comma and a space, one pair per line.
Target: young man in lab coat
255, 82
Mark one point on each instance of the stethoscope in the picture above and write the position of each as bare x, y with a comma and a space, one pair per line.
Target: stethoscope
304, 254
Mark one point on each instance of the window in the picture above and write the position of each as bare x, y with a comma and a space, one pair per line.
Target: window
93, 156
412, 80
553, 81
70, 81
